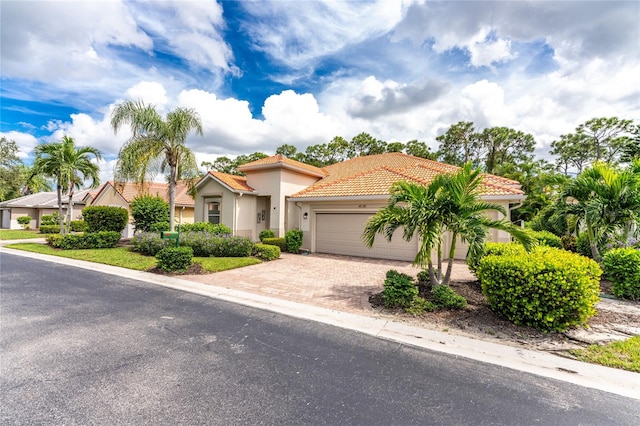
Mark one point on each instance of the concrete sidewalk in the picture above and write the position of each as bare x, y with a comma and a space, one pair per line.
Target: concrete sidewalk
334, 290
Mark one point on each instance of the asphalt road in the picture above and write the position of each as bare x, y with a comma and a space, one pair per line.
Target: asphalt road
81, 347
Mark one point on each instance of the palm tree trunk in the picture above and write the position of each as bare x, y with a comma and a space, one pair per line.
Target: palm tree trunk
172, 197
452, 253
60, 217
70, 209
593, 243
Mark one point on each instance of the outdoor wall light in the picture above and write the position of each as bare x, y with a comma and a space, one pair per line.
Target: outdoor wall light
305, 215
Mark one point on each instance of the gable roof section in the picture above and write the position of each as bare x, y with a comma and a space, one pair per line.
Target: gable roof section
44, 200
233, 183
128, 191
375, 174
280, 161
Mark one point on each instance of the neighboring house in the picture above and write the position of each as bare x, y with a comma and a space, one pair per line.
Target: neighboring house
331, 205
38, 205
121, 195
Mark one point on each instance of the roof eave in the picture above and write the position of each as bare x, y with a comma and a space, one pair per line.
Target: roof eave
282, 166
343, 198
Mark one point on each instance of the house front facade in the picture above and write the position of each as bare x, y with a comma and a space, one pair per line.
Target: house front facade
331, 205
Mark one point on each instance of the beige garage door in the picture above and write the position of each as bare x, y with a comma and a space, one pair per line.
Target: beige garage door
341, 233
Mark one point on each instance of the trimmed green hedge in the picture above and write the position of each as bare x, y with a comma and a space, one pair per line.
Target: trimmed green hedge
79, 226
495, 249
218, 229
174, 259
105, 218
49, 229
206, 244
549, 289
280, 242
293, 239
94, 240
267, 233
266, 251
622, 268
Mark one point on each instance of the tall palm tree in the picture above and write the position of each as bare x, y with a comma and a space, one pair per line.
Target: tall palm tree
156, 144
449, 203
69, 166
603, 200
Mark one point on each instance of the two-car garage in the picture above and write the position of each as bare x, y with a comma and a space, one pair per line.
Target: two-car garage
341, 233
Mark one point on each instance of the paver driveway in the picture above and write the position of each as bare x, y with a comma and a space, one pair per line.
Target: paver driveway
342, 283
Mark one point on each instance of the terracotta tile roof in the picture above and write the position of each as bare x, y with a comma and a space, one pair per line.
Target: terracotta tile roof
374, 175
238, 183
282, 161
129, 191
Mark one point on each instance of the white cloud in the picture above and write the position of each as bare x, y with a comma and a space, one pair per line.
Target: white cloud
150, 92
26, 142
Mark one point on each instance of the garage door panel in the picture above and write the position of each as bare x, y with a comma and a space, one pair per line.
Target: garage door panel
341, 233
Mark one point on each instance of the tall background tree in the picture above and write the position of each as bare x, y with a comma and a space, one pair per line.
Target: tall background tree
157, 144
17, 178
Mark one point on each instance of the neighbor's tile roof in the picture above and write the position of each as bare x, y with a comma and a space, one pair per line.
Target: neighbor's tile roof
282, 161
237, 183
129, 191
375, 174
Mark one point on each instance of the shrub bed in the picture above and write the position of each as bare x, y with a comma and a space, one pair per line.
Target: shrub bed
266, 251
94, 240
207, 244
218, 229
495, 249
549, 289
622, 268
280, 242
149, 243
174, 259
49, 229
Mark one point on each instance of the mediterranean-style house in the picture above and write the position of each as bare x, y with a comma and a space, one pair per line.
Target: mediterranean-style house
331, 205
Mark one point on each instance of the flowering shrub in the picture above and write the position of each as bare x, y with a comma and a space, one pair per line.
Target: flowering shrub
206, 244
149, 243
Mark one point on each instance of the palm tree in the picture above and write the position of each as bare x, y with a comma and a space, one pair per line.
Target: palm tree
156, 144
449, 203
69, 166
603, 200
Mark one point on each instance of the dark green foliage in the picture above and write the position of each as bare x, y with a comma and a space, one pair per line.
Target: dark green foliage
399, 290
569, 243
549, 289
159, 227
445, 297
206, 244
24, 220
78, 226
149, 243
420, 305
218, 229
49, 229
50, 219
175, 259
622, 268
582, 245
266, 251
293, 240
104, 218
280, 242
147, 211
546, 238
94, 240
267, 233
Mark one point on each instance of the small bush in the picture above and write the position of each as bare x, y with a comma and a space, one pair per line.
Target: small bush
218, 229
159, 227
549, 289
445, 297
419, 306
546, 238
399, 290
24, 221
49, 229
293, 239
148, 210
175, 259
267, 233
78, 226
266, 251
280, 242
569, 243
94, 240
149, 243
50, 219
622, 268
206, 244
104, 218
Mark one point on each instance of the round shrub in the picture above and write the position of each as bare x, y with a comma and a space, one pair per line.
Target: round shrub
399, 290
549, 289
105, 218
174, 259
24, 221
495, 249
622, 268
280, 242
148, 210
546, 238
267, 233
266, 252
293, 239
445, 297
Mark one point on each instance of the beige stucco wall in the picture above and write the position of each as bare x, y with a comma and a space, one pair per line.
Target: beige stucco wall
184, 215
17, 212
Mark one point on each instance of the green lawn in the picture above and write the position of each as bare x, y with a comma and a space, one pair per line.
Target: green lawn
125, 258
624, 354
19, 234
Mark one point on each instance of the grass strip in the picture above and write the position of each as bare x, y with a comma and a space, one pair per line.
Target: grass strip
624, 354
19, 234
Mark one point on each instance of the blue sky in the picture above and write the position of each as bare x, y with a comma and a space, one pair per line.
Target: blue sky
264, 73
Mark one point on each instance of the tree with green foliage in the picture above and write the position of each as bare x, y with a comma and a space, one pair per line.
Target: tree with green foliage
419, 149
287, 150
11, 176
449, 203
365, 144
502, 145
458, 145
156, 144
148, 210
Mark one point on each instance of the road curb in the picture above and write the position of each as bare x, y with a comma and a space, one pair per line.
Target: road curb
543, 364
